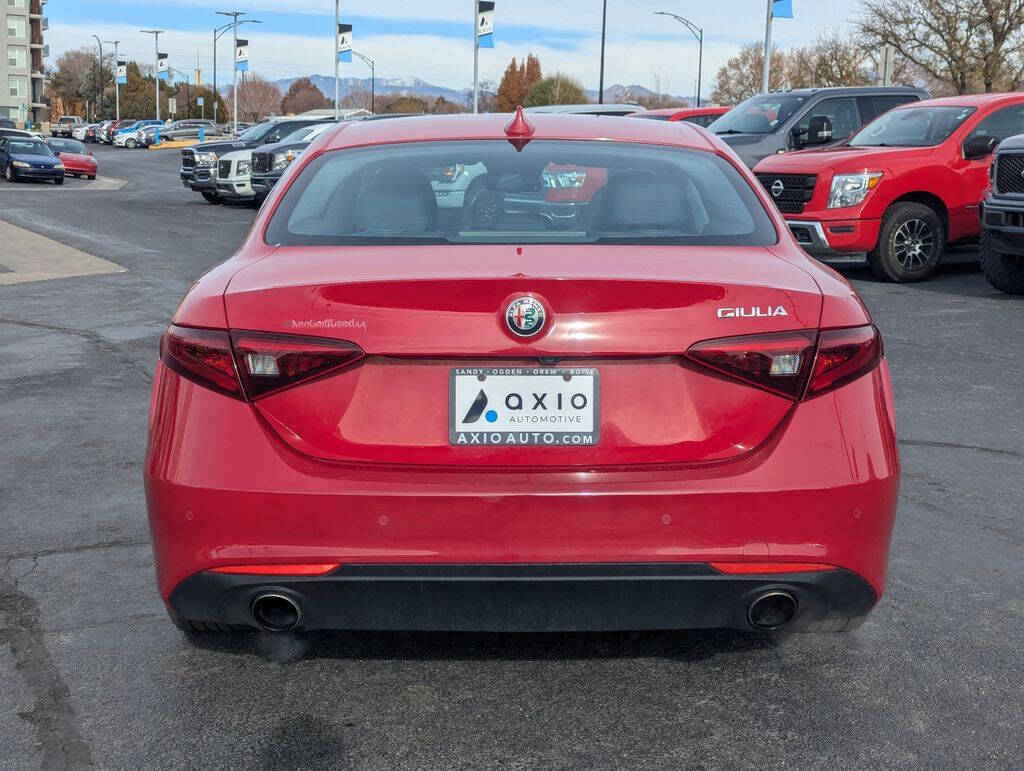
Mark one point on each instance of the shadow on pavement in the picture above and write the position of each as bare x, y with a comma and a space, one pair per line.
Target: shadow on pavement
287, 648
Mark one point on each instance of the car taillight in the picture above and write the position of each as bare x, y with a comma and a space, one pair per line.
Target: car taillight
794, 364
844, 355
202, 356
777, 362
269, 362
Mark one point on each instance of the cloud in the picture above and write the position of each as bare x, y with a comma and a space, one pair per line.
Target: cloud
641, 47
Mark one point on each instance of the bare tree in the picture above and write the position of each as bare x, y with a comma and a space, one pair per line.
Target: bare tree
358, 98
831, 60
740, 77
257, 98
961, 45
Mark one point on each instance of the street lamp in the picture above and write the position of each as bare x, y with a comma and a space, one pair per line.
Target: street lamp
117, 86
698, 34
373, 79
234, 68
99, 75
604, 25
156, 45
217, 32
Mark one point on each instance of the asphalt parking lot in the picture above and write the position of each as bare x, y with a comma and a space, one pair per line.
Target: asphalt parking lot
93, 672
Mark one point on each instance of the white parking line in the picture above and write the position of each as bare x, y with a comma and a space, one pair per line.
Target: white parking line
32, 257
96, 185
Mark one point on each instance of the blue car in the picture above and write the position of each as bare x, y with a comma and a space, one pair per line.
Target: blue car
28, 158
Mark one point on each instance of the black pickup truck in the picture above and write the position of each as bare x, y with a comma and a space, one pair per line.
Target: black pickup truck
1002, 219
199, 162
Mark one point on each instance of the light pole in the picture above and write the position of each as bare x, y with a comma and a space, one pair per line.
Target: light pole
766, 70
117, 86
373, 79
217, 32
698, 33
99, 76
156, 46
234, 68
604, 26
337, 73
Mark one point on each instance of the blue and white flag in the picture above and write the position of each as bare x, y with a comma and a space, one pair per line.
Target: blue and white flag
782, 9
161, 66
485, 24
344, 42
122, 72
242, 56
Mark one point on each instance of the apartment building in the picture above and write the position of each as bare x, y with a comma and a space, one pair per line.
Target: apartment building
22, 51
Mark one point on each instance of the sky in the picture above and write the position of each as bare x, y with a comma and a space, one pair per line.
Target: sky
432, 40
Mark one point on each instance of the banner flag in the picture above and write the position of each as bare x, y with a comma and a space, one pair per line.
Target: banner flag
122, 72
161, 66
242, 56
782, 9
485, 24
344, 42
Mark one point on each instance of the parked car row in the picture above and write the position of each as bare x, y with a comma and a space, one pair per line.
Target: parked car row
26, 155
134, 133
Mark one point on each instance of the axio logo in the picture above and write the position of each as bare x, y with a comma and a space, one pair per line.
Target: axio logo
751, 313
476, 409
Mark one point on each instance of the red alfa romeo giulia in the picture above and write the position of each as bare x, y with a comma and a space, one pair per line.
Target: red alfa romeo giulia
640, 408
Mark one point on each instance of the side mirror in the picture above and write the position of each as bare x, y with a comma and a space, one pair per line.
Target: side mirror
56, 152
819, 131
979, 147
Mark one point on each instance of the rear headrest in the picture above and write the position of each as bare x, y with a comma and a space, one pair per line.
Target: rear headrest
638, 199
396, 201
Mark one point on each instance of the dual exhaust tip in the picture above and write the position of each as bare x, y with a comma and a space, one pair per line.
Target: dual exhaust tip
769, 611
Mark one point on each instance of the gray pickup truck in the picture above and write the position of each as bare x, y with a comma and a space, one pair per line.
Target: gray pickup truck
786, 120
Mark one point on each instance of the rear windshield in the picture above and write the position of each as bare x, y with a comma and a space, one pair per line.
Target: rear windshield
486, 192
912, 127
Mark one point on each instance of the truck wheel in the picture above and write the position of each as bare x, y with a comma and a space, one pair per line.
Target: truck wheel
1004, 271
212, 197
910, 243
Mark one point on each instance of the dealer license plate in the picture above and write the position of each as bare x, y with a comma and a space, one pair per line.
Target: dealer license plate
524, 406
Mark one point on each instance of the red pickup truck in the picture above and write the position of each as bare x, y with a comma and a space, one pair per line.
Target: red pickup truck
900, 189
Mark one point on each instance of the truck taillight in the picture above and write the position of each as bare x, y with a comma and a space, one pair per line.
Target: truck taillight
797, 365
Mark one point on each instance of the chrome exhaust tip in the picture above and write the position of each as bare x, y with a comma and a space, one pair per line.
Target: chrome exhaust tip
772, 610
275, 612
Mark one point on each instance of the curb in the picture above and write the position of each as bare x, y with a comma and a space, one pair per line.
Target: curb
174, 145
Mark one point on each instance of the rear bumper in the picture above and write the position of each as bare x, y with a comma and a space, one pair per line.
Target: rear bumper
835, 240
223, 489
527, 598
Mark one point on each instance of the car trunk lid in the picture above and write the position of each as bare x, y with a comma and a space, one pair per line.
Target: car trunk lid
420, 313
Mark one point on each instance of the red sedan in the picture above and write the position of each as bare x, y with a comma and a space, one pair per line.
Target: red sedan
644, 410
77, 159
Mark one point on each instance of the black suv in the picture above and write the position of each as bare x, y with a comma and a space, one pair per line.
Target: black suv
199, 162
1002, 219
